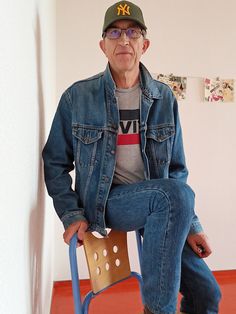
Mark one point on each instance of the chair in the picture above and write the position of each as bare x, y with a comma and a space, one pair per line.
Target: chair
108, 264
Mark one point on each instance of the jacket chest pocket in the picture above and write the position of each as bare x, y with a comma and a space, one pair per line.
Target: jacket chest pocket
159, 144
86, 145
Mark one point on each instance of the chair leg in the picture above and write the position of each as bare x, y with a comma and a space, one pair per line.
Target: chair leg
86, 302
75, 276
83, 307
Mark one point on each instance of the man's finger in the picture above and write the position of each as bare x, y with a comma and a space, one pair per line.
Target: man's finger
68, 234
70, 231
82, 229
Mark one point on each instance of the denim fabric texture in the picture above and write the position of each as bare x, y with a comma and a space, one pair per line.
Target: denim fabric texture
84, 134
163, 208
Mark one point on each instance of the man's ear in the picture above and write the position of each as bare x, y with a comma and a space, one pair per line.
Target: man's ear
146, 44
102, 45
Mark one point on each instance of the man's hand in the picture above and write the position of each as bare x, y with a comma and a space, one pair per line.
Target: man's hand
199, 244
80, 227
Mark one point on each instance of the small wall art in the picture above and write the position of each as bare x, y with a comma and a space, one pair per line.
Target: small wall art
220, 90
178, 84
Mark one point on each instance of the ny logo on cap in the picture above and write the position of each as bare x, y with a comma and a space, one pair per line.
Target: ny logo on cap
123, 9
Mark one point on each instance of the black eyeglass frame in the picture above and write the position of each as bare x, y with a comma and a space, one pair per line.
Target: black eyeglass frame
139, 31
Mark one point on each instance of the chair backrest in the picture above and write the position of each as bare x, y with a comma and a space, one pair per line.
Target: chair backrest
107, 259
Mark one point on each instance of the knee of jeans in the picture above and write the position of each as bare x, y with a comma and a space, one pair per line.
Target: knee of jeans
182, 196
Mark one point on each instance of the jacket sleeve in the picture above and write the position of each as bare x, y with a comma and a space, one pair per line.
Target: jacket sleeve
178, 169
59, 162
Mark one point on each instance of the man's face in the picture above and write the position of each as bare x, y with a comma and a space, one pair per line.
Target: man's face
123, 53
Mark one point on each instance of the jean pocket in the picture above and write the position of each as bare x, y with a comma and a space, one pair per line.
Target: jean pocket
159, 143
86, 144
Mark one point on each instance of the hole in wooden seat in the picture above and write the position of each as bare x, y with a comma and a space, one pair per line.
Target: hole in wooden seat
117, 262
98, 271
107, 266
115, 249
104, 252
95, 256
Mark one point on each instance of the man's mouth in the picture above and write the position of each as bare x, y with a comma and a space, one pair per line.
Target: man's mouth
123, 53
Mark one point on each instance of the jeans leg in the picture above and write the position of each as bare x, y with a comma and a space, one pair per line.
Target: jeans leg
201, 293
164, 208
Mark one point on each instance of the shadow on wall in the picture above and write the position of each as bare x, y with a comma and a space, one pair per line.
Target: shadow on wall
36, 223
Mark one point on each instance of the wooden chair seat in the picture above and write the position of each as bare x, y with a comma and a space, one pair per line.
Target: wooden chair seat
108, 263
107, 259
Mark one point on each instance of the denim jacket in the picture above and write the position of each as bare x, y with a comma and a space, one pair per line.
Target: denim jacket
84, 134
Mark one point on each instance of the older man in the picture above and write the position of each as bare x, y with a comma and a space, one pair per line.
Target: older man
121, 129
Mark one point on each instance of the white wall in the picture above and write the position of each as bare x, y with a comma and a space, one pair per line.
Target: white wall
27, 87
190, 38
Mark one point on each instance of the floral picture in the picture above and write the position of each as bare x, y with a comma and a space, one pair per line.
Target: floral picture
177, 84
219, 90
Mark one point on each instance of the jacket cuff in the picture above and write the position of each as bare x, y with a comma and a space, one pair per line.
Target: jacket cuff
72, 217
196, 226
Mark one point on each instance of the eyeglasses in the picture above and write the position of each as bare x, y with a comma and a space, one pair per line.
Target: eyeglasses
131, 33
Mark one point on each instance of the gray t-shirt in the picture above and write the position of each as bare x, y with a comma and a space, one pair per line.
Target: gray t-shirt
129, 164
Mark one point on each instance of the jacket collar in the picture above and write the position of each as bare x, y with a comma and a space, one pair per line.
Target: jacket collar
147, 83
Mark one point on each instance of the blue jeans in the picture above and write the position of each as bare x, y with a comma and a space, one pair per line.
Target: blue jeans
164, 209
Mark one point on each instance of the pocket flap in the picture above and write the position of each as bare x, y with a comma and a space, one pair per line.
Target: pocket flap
86, 135
162, 133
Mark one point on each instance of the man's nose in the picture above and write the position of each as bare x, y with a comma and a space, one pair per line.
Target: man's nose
124, 39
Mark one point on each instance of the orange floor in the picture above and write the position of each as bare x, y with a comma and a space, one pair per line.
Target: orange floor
125, 298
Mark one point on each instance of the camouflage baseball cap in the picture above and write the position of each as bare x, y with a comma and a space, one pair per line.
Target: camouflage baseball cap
123, 10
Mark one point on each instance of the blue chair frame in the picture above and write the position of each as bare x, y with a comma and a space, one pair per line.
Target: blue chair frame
83, 307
